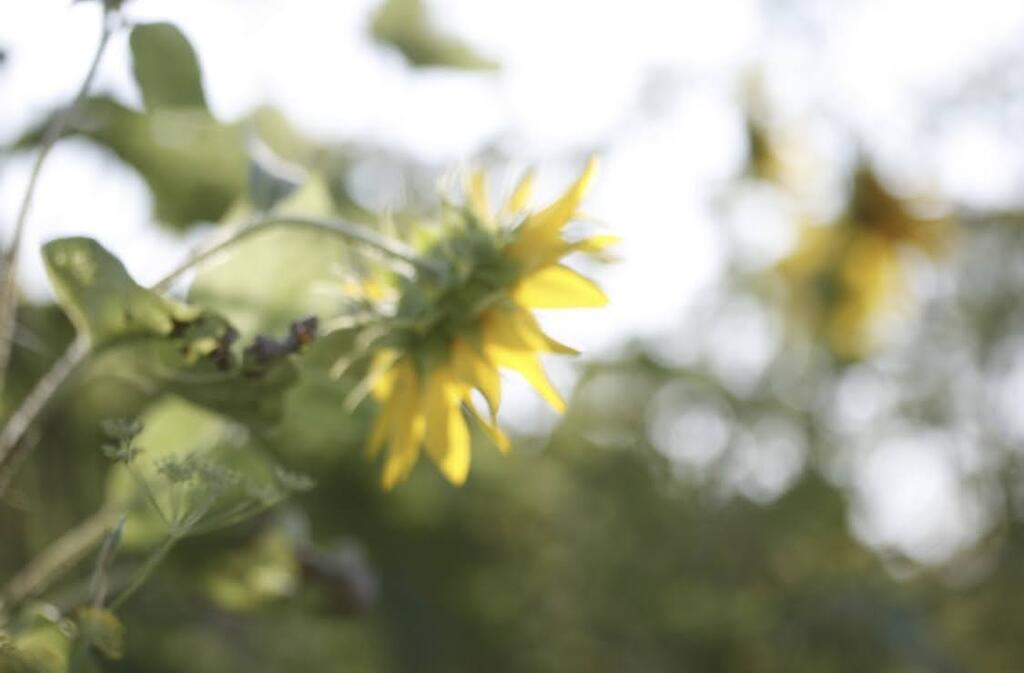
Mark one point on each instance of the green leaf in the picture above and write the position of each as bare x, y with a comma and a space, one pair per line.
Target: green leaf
166, 67
101, 299
406, 25
174, 347
102, 629
255, 398
198, 168
197, 363
195, 166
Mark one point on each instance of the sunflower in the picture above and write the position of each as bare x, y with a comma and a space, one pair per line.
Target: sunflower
465, 315
851, 276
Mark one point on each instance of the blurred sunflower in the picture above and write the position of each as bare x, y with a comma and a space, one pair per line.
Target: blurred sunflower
848, 277
466, 314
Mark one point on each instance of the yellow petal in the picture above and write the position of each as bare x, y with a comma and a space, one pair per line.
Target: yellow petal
500, 329
474, 369
404, 451
477, 192
519, 199
385, 380
526, 324
539, 238
594, 244
506, 329
555, 216
383, 373
401, 383
558, 286
397, 467
537, 249
379, 433
455, 462
528, 365
447, 437
555, 346
405, 414
517, 329
491, 429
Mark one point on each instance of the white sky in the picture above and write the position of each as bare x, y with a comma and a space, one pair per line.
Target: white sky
573, 72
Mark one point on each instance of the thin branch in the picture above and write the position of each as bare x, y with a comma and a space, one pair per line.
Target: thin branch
347, 230
64, 552
9, 289
20, 421
145, 571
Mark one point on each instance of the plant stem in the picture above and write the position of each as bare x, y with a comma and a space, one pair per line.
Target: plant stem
14, 429
62, 553
143, 486
347, 230
9, 289
12, 449
145, 571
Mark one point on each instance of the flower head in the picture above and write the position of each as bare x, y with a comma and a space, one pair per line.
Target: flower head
851, 276
465, 315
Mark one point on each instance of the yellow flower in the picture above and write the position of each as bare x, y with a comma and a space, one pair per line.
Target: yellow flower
458, 324
848, 277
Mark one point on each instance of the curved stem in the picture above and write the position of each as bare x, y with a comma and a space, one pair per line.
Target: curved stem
145, 571
346, 230
9, 289
12, 449
64, 552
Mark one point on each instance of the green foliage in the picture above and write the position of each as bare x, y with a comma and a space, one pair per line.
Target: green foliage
44, 647
265, 572
183, 483
166, 67
101, 299
161, 344
101, 629
194, 164
406, 26
199, 168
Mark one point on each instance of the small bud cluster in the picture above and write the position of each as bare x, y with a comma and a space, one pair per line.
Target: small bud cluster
122, 432
196, 493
